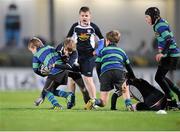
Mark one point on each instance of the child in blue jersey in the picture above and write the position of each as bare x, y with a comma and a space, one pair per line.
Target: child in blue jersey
168, 52
47, 56
113, 61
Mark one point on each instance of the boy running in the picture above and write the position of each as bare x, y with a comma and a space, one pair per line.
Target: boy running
168, 52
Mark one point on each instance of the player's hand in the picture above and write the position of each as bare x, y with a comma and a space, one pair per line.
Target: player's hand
159, 56
52, 66
44, 70
94, 53
76, 67
65, 58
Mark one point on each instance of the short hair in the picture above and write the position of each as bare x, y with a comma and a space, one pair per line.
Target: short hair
84, 9
113, 36
35, 42
70, 44
13, 6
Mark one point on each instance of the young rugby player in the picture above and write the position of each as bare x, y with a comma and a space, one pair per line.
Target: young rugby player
47, 56
113, 61
84, 33
168, 52
73, 75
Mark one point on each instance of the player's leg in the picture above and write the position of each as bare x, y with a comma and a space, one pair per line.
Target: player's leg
41, 99
104, 97
89, 83
114, 98
126, 97
121, 89
173, 87
102, 101
105, 86
48, 90
160, 79
86, 67
83, 89
61, 79
141, 106
79, 81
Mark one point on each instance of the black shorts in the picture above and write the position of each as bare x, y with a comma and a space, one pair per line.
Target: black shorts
53, 81
169, 63
74, 75
86, 65
112, 79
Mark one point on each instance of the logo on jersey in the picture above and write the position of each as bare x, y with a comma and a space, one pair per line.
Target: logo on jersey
84, 36
89, 31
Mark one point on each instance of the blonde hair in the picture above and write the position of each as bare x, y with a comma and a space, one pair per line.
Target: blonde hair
69, 44
113, 36
35, 43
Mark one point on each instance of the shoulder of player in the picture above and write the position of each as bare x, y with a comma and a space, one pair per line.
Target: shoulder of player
161, 23
93, 25
75, 24
60, 46
112, 48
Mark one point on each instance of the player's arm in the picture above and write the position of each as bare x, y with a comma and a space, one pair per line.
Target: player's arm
71, 31
59, 47
97, 31
128, 67
98, 63
100, 38
130, 71
73, 58
37, 66
62, 66
164, 31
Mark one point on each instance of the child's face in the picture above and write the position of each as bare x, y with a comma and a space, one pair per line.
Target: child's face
84, 18
107, 42
68, 50
148, 19
32, 49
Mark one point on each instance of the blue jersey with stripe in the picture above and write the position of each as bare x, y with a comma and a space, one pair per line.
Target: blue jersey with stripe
85, 37
112, 57
46, 56
162, 33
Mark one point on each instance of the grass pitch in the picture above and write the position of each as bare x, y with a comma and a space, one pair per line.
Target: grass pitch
17, 112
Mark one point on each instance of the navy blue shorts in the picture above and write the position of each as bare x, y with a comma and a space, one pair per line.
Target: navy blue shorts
74, 75
86, 66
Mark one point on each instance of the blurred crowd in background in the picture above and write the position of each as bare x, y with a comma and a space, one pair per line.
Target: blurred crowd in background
50, 23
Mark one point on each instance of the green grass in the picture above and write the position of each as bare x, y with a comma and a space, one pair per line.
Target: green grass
17, 112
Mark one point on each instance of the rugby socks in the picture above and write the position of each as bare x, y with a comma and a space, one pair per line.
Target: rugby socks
43, 93
127, 102
113, 101
174, 88
50, 96
61, 93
